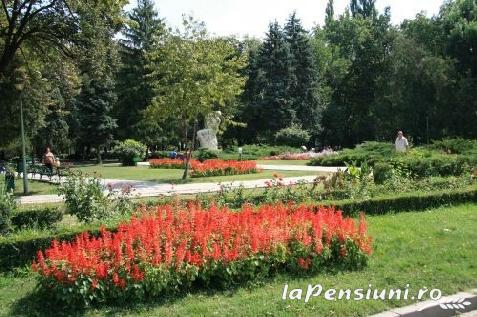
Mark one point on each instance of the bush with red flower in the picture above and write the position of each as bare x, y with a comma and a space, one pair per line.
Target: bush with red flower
209, 167
222, 168
169, 249
167, 163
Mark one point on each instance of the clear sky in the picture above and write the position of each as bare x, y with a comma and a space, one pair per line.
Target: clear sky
242, 17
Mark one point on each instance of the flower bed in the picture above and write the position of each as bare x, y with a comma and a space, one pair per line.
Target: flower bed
167, 163
167, 250
222, 168
208, 167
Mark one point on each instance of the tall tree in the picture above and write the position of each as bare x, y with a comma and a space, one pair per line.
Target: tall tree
193, 73
94, 106
304, 86
143, 29
271, 75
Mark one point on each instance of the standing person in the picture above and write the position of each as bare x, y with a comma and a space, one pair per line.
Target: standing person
401, 143
49, 159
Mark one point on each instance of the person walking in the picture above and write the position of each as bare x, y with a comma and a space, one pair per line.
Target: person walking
401, 143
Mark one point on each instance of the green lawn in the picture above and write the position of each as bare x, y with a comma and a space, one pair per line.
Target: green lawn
115, 171
433, 249
34, 187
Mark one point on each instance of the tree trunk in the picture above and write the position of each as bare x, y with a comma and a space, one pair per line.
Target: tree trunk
189, 151
98, 155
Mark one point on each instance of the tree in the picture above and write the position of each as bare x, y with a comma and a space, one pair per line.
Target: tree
94, 106
38, 23
360, 46
191, 74
304, 87
143, 29
271, 76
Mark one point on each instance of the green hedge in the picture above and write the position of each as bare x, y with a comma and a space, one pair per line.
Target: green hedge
409, 202
15, 252
37, 218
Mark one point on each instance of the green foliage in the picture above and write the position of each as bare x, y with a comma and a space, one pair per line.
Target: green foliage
41, 218
292, 136
143, 30
190, 72
257, 151
455, 146
85, 197
382, 172
7, 208
367, 151
205, 154
130, 151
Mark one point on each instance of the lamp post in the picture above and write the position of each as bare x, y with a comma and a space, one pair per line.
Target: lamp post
25, 175
21, 78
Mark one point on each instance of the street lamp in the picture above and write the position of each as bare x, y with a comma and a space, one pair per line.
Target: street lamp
19, 86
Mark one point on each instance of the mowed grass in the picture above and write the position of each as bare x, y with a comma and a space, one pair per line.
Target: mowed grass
34, 187
433, 249
145, 173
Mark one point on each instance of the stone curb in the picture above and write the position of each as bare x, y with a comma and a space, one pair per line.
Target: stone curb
432, 308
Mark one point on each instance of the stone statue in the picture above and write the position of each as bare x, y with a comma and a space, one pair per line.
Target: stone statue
208, 137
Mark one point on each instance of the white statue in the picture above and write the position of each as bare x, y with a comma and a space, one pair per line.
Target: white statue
208, 137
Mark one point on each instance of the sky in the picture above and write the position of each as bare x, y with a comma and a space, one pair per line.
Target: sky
251, 17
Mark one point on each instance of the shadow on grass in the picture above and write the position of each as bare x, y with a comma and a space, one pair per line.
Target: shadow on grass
38, 303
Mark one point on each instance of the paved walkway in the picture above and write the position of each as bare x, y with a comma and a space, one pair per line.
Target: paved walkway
460, 304
151, 189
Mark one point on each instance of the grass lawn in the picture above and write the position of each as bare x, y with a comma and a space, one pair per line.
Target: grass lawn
115, 171
34, 187
282, 162
433, 249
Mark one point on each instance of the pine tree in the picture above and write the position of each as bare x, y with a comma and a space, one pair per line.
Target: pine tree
304, 86
134, 91
330, 11
271, 105
94, 109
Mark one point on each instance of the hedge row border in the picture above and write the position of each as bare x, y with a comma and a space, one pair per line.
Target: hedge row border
21, 252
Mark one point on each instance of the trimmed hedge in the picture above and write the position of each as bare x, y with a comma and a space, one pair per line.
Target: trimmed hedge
409, 202
21, 251
37, 218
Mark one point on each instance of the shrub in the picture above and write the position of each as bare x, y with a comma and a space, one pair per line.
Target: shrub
205, 154
130, 152
85, 197
7, 206
455, 146
382, 172
43, 218
292, 136
159, 155
168, 250
257, 151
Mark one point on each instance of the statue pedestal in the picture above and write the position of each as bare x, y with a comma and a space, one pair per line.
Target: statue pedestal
208, 139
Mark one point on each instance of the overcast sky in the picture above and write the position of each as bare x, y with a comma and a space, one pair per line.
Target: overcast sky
251, 17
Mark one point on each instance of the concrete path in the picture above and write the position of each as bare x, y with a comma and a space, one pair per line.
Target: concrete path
460, 304
327, 169
151, 189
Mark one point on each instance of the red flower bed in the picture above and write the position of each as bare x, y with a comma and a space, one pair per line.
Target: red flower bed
166, 250
209, 167
166, 163
222, 168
